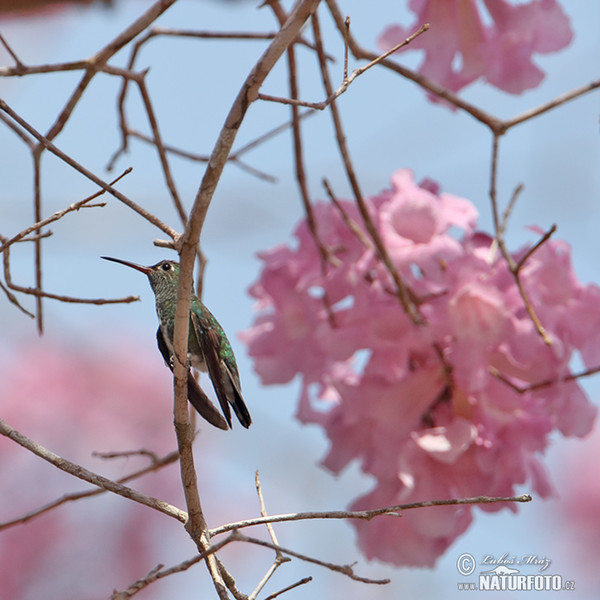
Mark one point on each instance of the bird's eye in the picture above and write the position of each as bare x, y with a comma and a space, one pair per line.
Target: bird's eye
166, 267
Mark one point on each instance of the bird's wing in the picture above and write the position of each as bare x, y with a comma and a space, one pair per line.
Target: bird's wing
225, 382
210, 343
239, 407
164, 349
198, 399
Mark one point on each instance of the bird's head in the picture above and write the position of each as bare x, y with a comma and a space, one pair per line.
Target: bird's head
164, 274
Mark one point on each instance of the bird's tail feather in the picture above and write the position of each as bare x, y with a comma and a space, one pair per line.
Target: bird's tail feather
200, 401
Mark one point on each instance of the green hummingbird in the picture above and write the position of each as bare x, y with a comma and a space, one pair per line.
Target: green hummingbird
208, 346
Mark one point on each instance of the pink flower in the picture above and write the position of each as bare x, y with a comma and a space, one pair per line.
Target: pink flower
418, 405
500, 52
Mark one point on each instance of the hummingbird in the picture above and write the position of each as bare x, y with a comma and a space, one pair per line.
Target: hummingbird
208, 346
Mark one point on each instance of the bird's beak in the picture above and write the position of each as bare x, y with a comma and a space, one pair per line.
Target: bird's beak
142, 269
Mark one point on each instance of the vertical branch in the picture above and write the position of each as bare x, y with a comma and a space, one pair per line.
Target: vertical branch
494, 194
247, 94
324, 255
162, 155
196, 525
402, 291
187, 245
499, 227
280, 558
37, 195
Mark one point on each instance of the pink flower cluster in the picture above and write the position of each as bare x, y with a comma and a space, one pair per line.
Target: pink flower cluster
418, 405
460, 47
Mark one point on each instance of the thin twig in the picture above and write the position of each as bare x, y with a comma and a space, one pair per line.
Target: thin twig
60, 214
499, 228
13, 300
47, 234
269, 134
76, 65
19, 64
332, 95
531, 250
73, 163
365, 514
263, 508
326, 258
160, 572
302, 581
542, 384
233, 158
279, 556
551, 104
493, 193
402, 292
346, 50
350, 223
343, 569
37, 210
158, 143
28, 141
127, 454
509, 208
42, 294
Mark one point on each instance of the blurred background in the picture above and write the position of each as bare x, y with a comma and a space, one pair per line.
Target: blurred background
95, 381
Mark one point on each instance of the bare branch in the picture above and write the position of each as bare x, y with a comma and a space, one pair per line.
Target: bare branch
196, 525
263, 508
13, 300
11, 52
162, 155
509, 208
42, 294
233, 158
279, 557
18, 131
349, 222
402, 291
302, 581
61, 213
157, 463
365, 514
499, 228
343, 569
247, 94
159, 571
73, 163
556, 102
37, 210
347, 80
531, 250
542, 384
325, 256
89, 476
